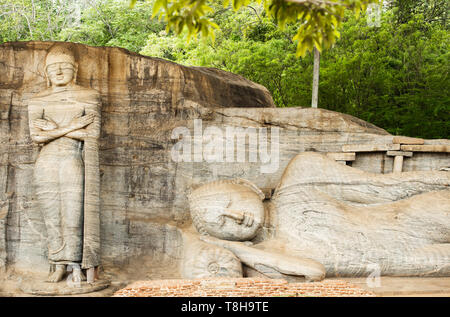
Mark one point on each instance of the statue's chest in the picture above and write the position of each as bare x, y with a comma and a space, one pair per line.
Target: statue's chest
63, 111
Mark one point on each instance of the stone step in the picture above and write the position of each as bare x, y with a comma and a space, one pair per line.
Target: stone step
399, 153
407, 140
426, 148
370, 147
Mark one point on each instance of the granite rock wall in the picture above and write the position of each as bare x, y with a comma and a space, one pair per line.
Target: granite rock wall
143, 189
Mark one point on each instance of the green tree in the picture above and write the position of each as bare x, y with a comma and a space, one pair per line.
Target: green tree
432, 10
22, 20
317, 21
93, 22
394, 76
110, 23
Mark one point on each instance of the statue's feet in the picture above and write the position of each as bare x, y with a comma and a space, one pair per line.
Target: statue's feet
57, 275
78, 276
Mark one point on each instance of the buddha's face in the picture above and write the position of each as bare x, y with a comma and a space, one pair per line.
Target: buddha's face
234, 218
233, 215
61, 73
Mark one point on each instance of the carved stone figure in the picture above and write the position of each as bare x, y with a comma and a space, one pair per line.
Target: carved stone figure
64, 120
144, 206
355, 223
203, 260
335, 220
226, 212
230, 209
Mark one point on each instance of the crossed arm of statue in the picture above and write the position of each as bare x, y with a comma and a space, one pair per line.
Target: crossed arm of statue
271, 263
44, 129
241, 217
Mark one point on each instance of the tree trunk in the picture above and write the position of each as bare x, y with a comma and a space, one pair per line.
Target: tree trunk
315, 87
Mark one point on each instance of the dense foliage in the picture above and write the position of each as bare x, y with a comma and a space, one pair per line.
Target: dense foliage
394, 75
316, 21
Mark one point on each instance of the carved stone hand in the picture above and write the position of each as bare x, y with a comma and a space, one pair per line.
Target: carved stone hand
46, 124
240, 217
81, 122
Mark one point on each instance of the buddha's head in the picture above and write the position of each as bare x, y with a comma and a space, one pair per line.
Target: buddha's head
60, 66
229, 210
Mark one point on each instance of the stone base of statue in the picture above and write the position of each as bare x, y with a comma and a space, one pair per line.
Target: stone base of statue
62, 288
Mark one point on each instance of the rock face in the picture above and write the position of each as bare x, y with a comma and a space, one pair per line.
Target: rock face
141, 97
152, 108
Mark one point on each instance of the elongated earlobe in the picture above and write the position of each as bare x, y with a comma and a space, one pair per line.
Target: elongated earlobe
49, 83
75, 73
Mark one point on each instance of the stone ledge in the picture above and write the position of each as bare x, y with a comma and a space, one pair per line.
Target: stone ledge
407, 140
62, 288
370, 147
406, 286
426, 148
399, 153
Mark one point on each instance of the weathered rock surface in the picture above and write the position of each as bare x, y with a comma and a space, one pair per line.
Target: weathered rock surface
326, 219
350, 220
141, 97
143, 190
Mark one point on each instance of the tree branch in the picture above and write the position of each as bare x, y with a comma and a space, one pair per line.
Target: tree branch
315, 2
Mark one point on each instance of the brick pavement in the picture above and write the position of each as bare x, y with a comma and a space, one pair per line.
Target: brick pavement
240, 287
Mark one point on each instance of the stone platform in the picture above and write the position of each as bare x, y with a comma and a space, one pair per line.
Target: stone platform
334, 287
62, 288
240, 287
407, 286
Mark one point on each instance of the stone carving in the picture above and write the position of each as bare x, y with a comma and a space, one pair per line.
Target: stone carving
233, 210
65, 120
203, 260
143, 192
335, 219
352, 221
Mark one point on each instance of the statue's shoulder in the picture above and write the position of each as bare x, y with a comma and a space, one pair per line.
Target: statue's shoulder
79, 93
39, 99
86, 94
41, 94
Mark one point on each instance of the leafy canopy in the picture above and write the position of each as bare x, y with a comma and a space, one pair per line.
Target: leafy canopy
318, 20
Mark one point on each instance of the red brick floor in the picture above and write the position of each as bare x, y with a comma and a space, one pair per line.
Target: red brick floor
239, 287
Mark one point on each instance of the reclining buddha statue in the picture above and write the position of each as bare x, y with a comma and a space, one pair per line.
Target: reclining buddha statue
328, 219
